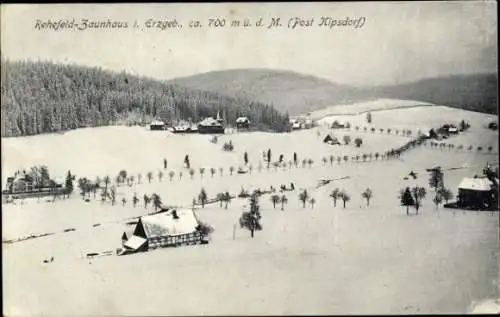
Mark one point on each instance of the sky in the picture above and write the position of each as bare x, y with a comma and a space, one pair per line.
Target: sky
398, 41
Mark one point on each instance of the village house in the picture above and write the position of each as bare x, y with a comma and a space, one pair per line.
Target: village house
157, 125
477, 193
169, 228
242, 123
338, 125
22, 182
331, 140
296, 124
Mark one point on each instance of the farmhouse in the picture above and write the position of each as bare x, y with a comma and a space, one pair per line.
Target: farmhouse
242, 123
477, 193
170, 228
338, 125
331, 140
296, 125
157, 125
211, 125
21, 183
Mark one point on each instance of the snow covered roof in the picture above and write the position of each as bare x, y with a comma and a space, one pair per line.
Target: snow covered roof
134, 242
242, 120
157, 122
164, 224
478, 184
209, 121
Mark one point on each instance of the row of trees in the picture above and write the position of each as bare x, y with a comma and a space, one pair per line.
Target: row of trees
41, 97
401, 132
460, 147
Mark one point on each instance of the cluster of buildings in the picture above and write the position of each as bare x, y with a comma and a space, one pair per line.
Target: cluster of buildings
24, 184
301, 123
208, 125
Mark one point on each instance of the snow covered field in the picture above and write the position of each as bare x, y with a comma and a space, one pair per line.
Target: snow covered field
320, 260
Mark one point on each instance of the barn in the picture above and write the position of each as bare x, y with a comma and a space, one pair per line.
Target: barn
476, 193
170, 228
157, 125
242, 123
331, 140
338, 125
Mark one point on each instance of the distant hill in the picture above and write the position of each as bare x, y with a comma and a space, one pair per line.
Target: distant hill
478, 92
297, 93
287, 91
41, 97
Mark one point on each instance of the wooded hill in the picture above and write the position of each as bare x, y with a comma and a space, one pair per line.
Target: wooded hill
299, 93
42, 97
287, 91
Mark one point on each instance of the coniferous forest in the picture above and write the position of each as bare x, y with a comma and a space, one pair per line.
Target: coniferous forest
44, 97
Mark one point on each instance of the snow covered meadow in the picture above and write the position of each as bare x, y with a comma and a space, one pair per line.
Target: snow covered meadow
317, 259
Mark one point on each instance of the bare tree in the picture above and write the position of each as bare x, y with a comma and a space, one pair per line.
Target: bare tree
303, 197
212, 172
347, 139
135, 200
231, 170
283, 201
149, 175
112, 193
191, 172
227, 198
312, 201
419, 194
146, 200
160, 175
123, 176
275, 199
446, 194
310, 162
220, 198
202, 197
156, 201
345, 197
171, 175
335, 194
437, 200
367, 194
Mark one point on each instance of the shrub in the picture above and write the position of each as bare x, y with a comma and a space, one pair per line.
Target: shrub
204, 228
228, 146
358, 142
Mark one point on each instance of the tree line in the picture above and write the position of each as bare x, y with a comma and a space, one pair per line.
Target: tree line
44, 97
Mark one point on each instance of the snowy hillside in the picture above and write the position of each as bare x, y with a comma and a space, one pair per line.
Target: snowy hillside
317, 259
